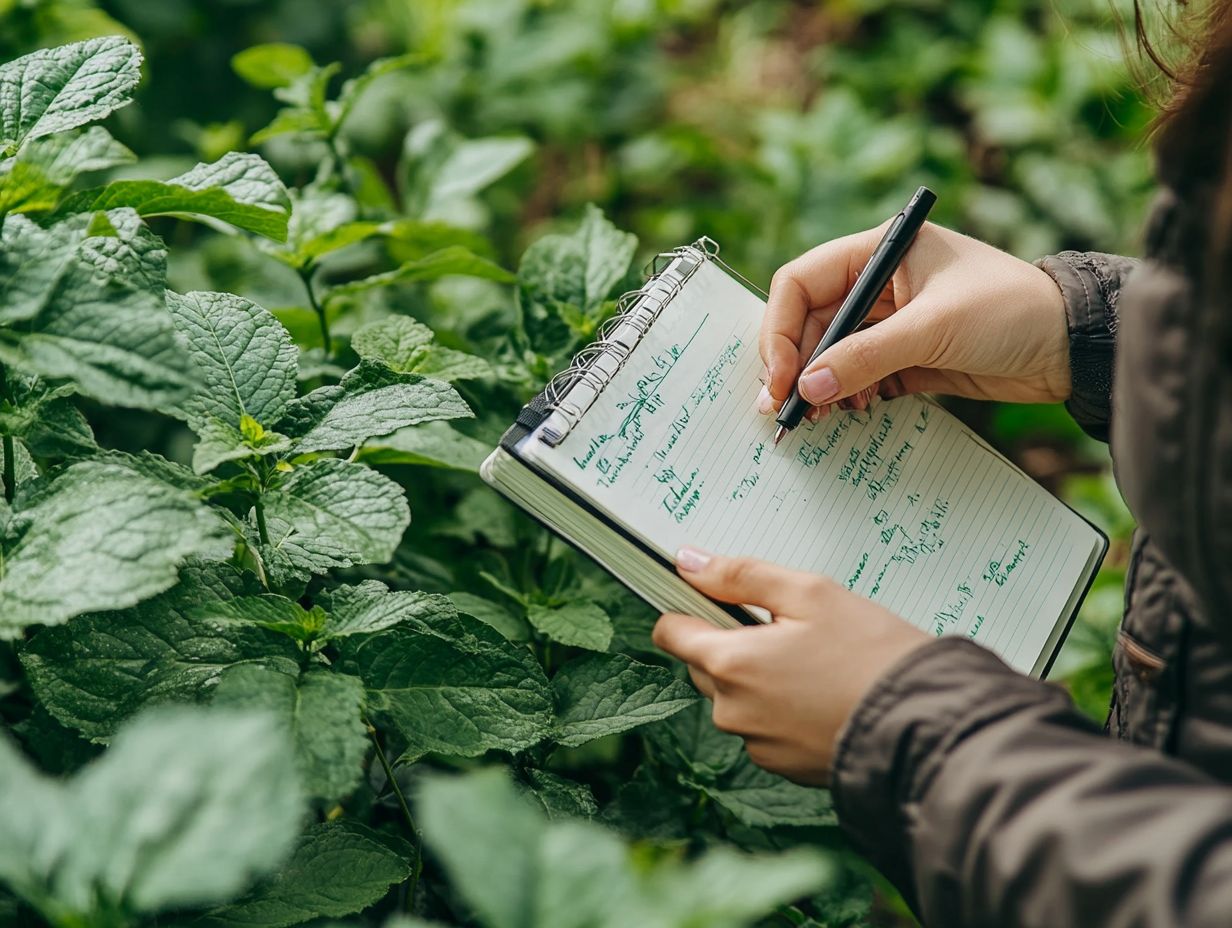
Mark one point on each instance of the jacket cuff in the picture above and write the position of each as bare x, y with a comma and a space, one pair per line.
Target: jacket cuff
902, 732
1090, 285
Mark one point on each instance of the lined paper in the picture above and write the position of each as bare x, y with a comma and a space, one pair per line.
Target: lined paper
901, 503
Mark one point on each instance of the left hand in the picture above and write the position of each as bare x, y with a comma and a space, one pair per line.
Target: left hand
788, 687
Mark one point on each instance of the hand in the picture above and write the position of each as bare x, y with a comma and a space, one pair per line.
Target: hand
959, 317
788, 687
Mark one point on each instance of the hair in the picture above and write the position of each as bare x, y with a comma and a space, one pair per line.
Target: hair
1193, 131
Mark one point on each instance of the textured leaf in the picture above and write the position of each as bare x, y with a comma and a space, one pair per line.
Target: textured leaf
98, 537
448, 261
561, 798
36, 178
370, 401
487, 836
431, 444
513, 627
330, 513
370, 607
56, 89
337, 869
97, 670
689, 741
579, 269
277, 613
762, 799
403, 344
185, 809
321, 710
239, 189
274, 64
247, 365
89, 291
456, 687
44, 418
579, 623
603, 694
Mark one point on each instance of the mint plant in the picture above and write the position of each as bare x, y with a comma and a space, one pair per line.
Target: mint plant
247, 670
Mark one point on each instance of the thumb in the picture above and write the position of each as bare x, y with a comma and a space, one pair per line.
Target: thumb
865, 357
759, 583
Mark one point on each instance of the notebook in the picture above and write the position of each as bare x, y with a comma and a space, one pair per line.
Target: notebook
650, 441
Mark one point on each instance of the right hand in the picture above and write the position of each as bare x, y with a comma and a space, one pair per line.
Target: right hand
959, 317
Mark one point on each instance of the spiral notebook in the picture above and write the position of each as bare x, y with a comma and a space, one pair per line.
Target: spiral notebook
650, 441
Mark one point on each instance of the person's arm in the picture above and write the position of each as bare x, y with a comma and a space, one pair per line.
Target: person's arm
990, 801
982, 794
1091, 285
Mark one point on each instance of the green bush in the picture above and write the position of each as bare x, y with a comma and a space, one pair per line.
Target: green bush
227, 385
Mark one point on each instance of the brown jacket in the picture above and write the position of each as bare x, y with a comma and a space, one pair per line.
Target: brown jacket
985, 796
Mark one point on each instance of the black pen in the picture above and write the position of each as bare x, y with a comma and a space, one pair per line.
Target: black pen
864, 295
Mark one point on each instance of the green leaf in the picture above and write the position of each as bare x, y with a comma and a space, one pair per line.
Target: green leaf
578, 623
431, 444
351, 90
603, 694
97, 670
239, 189
185, 809
44, 418
57, 89
403, 344
762, 799
448, 261
439, 168
487, 836
274, 64
689, 741
35, 179
331, 513
292, 122
371, 607
511, 626
456, 687
561, 798
97, 537
245, 356
370, 401
268, 610
322, 712
337, 869
89, 292
579, 269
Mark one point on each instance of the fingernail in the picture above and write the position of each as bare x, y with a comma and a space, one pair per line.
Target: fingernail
691, 559
813, 414
819, 386
765, 402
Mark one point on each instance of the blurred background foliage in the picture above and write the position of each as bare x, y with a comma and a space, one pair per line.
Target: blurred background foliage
769, 126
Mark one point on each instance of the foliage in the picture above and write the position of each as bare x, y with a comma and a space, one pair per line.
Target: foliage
226, 385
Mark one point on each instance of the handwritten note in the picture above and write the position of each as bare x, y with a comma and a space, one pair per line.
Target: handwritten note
900, 503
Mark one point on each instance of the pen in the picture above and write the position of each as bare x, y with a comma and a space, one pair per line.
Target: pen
864, 295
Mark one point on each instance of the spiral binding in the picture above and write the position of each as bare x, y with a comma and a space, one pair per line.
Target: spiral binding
595, 365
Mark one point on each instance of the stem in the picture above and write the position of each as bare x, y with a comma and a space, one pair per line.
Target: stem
335, 152
417, 866
10, 447
262, 531
305, 275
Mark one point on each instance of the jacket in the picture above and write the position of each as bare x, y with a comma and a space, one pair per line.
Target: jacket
985, 796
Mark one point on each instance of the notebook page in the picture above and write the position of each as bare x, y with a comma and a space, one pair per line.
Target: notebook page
900, 503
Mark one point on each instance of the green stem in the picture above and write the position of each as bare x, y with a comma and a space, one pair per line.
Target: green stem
305, 275
262, 531
10, 446
340, 166
417, 865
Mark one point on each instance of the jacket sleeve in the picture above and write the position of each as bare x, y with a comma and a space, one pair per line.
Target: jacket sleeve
1091, 285
991, 802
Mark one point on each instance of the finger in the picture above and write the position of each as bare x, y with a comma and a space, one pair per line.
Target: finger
686, 637
703, 681
747, 580
909, 338
815, 279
